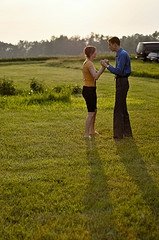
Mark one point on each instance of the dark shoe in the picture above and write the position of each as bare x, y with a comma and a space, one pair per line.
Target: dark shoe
128, 136
116, 139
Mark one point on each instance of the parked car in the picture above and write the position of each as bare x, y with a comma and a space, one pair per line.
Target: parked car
144, 48
153, 56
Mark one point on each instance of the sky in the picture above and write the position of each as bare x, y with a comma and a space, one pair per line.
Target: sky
36, 20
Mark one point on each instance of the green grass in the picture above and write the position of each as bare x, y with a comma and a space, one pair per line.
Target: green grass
56, 185
52, 72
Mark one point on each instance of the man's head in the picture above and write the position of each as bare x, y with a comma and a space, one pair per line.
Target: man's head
114, 44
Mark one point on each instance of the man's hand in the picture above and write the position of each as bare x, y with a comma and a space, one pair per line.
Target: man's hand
106, 61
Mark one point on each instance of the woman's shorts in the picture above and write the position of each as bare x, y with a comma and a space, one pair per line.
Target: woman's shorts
90, 96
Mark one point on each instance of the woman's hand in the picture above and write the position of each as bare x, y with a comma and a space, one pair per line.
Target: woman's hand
104, 62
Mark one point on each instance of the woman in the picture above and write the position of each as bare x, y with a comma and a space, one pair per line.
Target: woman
90, 76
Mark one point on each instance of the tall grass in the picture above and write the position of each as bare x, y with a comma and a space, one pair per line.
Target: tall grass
45, 98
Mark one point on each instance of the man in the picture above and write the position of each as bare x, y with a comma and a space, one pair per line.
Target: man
121, 122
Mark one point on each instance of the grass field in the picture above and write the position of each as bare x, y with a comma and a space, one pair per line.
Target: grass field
56, 185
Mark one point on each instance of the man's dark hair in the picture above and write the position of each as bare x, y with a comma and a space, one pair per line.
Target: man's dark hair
114, 40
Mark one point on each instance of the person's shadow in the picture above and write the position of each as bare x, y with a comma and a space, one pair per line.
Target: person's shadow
137, 170
98, 208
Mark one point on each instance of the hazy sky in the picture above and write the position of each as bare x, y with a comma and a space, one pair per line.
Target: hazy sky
40, 19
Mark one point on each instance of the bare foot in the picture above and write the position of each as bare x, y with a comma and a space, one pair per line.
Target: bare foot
87, 136
95, 133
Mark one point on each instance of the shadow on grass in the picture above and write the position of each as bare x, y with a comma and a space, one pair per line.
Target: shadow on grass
98, 207
137, 170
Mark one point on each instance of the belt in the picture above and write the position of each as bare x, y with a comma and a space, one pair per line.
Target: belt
125, 76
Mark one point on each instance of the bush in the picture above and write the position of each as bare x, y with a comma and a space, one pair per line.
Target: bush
63, 97
60, 93
76, 90
73, 89
7, 88
58, 89
36, 87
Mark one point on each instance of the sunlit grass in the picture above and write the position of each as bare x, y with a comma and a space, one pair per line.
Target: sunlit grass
49, 73
56, 185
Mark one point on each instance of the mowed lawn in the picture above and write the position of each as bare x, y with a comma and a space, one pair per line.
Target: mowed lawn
55, 185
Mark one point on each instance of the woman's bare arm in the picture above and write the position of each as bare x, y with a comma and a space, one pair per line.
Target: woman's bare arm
96, 74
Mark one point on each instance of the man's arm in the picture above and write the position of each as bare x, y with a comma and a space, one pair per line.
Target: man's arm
118, 70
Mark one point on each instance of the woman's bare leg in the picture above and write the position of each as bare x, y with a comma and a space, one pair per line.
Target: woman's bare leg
92, 125
89, 123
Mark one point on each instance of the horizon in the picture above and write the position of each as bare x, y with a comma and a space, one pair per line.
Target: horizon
81, 37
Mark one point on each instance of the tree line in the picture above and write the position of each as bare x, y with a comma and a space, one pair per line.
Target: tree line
62, 46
